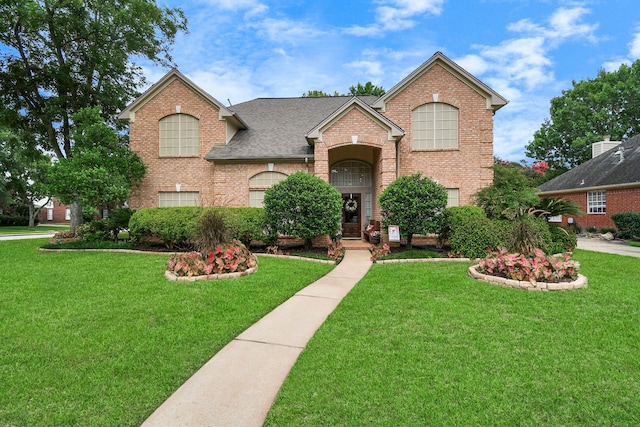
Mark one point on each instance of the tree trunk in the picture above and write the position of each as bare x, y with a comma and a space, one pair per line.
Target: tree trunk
32, 215
409, 238
76, 215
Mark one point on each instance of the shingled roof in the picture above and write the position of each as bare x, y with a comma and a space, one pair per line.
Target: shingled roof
616, 167
276, 127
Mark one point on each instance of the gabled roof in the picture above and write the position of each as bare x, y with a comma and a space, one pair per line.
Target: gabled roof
394, 130
614, 168
225, 114
276, 127
494, 99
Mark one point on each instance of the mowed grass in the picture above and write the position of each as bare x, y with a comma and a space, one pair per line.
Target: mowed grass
103, 338
423, 344
45, 228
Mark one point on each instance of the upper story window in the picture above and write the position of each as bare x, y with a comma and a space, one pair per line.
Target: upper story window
259, 183
597, 202
179, 136
434, 126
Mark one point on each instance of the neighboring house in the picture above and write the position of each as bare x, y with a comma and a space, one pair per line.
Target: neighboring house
56, 212
607, 184
437, 121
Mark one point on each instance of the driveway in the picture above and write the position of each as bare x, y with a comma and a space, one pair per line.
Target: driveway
27, 236
617, 247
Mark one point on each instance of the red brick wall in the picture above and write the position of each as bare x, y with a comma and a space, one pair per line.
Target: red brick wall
618, 200
228, 184
59, 213
193, 173
464, 168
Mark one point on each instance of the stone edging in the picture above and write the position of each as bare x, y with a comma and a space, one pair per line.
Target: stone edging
172, 276
580, 282
402, 261
320, 261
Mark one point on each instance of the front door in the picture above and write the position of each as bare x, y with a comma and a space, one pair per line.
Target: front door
351, 208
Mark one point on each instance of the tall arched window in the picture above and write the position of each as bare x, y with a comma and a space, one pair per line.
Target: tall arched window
351, 173
259, 183
179, 136
434, 126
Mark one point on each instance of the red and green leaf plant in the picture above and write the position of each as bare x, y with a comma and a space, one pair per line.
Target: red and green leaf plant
378, 251
225, 258
537, 268
336, 251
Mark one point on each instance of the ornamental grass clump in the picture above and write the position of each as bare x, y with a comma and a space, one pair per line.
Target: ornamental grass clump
225, 258
537, 268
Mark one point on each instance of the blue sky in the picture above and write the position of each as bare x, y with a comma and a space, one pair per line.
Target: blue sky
528, 51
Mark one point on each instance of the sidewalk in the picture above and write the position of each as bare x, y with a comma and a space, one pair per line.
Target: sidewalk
617, 247
42, 235
239, 384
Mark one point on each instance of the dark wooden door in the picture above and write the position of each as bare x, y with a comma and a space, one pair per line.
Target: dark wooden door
351, 209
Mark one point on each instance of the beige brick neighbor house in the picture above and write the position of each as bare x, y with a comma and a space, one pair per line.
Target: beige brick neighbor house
437, 121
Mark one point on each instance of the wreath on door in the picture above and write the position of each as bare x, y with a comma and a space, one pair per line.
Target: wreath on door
351, 205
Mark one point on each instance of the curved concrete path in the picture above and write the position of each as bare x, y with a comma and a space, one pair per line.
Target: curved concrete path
239, 384
618, 247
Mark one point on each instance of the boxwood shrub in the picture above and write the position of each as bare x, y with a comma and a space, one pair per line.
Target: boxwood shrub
628, 224
175, 227
6, 220
470, 233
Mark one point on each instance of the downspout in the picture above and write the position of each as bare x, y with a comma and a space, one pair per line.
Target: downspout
397, 159
306, 163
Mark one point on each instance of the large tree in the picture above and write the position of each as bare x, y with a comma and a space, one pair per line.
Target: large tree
22, 176
606, 105
415, 204
358, 90
101, 169
57, 57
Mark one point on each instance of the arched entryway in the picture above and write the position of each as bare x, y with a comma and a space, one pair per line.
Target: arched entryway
354, 179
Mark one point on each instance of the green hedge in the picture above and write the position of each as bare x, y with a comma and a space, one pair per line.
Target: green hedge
470, 233
175, 227
628, 224
6, 220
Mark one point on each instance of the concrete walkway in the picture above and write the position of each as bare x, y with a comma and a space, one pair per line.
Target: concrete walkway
617, 247
239, 384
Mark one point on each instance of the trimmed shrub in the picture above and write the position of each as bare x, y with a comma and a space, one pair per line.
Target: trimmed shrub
94, 231
562, 239
176, 227
7, 220
303, 206
628, 224
470, 233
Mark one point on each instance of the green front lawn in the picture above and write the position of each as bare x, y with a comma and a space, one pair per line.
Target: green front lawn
46, 228
91, 338
423, 344
634, 243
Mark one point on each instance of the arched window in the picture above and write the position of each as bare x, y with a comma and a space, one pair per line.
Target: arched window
351, 173
259, 183
179, 136
434, 126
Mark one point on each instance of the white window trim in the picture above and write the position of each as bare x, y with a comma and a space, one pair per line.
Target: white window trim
597, 203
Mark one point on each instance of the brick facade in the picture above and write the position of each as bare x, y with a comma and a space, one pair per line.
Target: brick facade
226, 183
618, 200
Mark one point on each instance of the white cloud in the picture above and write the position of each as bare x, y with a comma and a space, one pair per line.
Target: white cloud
252, 6
370, 68
397, 15
286, 30
634, 46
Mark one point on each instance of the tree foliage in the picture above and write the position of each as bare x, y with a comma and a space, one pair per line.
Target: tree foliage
510, 193
606, 105
357, 90
101, 169
415, 204
303, 206
366, 89
22, 176
57, 57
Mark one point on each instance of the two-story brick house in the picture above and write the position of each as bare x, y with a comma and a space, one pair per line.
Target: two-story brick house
437, 121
